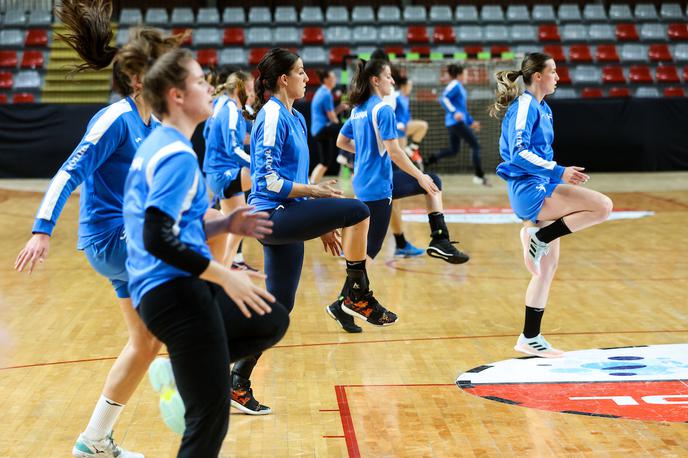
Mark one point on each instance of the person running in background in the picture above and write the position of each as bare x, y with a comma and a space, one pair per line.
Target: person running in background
459, 122
226, 163
325, 124
206, 314
544, 194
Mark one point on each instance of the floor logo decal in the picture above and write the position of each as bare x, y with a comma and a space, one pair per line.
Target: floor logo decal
643, 382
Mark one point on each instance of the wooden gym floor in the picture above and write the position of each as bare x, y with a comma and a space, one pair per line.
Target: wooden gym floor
385, 392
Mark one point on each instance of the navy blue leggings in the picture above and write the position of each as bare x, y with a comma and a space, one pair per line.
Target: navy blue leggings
458, 132
403, 185
294, 223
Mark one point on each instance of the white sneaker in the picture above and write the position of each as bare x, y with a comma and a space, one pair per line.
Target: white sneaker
537, 346
171, 405
103, 448
533, 249
481, 181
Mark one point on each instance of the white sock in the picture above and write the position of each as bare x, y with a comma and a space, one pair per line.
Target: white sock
239, 258
103, 419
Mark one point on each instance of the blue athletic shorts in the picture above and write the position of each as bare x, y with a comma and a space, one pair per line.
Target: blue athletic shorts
108, 257
528, 194
225, 185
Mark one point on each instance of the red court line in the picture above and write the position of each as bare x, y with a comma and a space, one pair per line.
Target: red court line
359, 342
347, 423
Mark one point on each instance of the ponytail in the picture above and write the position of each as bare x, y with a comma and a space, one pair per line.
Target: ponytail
361, 88
89, 32
508, 90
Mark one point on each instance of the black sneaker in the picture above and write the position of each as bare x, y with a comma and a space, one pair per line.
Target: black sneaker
345, 321
369, 309
243, 400
443, 248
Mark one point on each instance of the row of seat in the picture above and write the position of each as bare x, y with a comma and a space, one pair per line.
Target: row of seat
630, 52
14, 38
18, 97
27, 59
22, 18
635, 74
411, 14
619, 92
27, 80
393, 34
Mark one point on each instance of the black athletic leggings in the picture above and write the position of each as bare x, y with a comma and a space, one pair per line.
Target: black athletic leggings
294, 223
403, 185
457, 132
204, 331
327, 145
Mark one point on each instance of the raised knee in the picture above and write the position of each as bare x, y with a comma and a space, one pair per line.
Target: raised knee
606, 207
360, 212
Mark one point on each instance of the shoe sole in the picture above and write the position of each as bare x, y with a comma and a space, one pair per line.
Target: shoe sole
527, 351
329, 312
439, 254
243, 409
171, 405
365, 319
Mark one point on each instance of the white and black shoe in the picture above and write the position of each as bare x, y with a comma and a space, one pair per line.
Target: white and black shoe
537, 346
443, 248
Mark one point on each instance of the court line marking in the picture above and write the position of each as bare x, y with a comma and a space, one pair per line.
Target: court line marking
416, 339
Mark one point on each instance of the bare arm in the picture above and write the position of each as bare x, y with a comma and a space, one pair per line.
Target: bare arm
346, 143
332, 117
402, 160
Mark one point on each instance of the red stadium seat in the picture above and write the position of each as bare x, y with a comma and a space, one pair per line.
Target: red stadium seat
337, 54
606, 53
37, 37
255, 54
678, 31
6, 80
398, 50
640, 74
497, 50
564, 77
179, 31
685, 73
667, 74
313, 78
556, 52
619, 92
443, 34
32, 59
472, 50
548, 32
417, 34
312, 36
3, 98
233, 36
659, 53
23, 97
591, 93
613, 75
674, 92
580, 53
8, 59
626, 32
207, 57
423, 50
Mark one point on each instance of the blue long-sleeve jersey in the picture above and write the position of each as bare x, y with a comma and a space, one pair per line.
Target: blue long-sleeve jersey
224, 146
279, 155
453, 100
218, 103
526, 141
100, 161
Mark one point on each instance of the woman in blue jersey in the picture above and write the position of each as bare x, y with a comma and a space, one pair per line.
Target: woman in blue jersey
226, 163
206, 314
324, 124
371, 134
300, 211
100, 163
459, 122
545, 195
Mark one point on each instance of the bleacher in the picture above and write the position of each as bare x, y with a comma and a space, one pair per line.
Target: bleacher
614, 51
